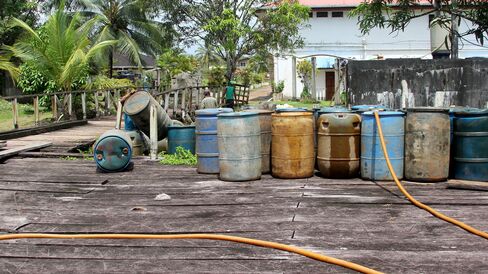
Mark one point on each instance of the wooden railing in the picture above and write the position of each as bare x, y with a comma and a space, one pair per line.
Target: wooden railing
104, 102
184, 101
179, 103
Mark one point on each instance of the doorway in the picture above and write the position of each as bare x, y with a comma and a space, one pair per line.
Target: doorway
329, 85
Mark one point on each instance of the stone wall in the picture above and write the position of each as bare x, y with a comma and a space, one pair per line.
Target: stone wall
400, 83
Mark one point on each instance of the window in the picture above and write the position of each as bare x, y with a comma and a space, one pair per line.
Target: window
310, 14
243, 64
337, 14
322, 14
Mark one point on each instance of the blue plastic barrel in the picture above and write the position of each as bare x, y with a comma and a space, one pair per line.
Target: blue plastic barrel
128, 123
470, 147
359, 109
373, 163
113, 151
239, 139
181, 136
207, 148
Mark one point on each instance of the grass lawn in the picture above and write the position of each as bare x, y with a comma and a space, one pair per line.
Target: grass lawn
26, 115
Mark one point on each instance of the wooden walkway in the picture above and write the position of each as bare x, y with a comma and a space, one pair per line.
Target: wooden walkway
67, 139
361, 221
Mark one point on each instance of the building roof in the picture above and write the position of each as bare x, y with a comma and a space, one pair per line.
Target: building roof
340, 3
122, 61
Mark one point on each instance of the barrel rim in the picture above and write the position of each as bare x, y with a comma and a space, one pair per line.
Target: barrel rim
297, 109
132, 111
181, 127
212, 111
428, 109
259, 111
472, 113
237, 114
367, 107
384, 113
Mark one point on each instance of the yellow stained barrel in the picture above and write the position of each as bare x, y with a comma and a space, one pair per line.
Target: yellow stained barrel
292, 145
339, 137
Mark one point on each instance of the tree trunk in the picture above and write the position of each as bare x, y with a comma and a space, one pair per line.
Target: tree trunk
110, 62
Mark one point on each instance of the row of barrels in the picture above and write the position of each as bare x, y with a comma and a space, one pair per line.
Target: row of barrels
241, 146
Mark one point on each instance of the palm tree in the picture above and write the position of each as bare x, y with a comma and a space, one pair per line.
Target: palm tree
8, 66
61, 49
206, 56
126, 22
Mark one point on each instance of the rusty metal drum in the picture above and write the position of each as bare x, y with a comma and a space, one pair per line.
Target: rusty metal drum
265, 125
339, 137
138, 108
239, 141
292, 145
427, 144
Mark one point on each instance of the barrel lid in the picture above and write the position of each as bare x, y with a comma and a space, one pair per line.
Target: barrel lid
237, 114
136, 103
260, 111
367, 107
472, 113
333, 109
212, 111
384, 113
291, 109
112, 152
428, 109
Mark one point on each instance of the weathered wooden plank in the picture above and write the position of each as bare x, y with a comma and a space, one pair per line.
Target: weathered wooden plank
15, 151
469, 185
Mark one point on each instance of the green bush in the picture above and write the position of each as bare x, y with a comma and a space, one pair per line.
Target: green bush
181, 157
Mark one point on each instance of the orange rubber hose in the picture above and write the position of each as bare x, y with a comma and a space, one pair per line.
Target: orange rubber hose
413, 200
292, 249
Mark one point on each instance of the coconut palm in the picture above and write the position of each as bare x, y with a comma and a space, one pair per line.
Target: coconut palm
61, 49
207, 56
126, 22
8, 66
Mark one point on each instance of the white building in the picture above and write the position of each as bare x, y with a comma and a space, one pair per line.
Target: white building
332, 33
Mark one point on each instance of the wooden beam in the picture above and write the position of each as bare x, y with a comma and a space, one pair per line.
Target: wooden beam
14, 151
83, 104
36, 110
469, 185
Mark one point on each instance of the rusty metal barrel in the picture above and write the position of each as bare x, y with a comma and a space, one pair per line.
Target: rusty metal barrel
427, 144
138, 108
292, 145
239, 141
339, 137
265, 125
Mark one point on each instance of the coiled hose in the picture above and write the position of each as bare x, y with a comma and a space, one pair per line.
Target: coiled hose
432, 211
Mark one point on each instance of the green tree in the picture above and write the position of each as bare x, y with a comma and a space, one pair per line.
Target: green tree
127, 22
206, 56
22, 9
304, 70
173, 62
397, 14
60, 49
237, 28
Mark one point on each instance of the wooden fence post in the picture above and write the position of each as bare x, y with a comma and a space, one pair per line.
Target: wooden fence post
175, 103
83, 104
107, 103
166, 102
36, 110
15, 112
97, 107
118, 122
183, 101
70, 105
55, 107
153, 132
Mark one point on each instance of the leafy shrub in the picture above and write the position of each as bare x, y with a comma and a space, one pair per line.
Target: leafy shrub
216, 76
103, 82
181, 157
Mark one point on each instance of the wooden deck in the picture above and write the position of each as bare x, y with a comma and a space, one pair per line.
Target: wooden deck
67, 139
361, 221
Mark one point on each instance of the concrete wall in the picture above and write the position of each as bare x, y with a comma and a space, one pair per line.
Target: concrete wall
398, 83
